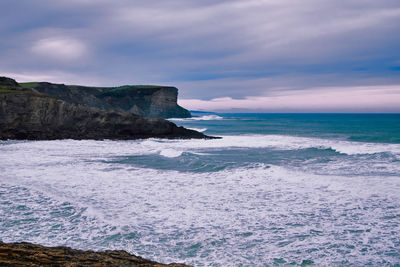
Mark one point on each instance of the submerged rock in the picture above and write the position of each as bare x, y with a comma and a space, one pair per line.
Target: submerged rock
27, 254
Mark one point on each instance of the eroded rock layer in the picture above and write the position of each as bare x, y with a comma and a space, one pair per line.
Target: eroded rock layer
27, 114
27, 254
145, 100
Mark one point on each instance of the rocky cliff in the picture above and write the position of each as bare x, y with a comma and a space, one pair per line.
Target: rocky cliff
145, 100
27, 114
26, 254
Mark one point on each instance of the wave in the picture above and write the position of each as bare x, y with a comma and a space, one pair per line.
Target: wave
208, 118
198, 217
201, 118
270, 142
198, 129
276, 142
107, 148
170, 153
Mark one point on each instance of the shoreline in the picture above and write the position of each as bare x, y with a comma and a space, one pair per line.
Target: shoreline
28, 254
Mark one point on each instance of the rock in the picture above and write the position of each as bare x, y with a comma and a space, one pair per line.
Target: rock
34, 116
5, 81
146, 100
27, 254
25, 113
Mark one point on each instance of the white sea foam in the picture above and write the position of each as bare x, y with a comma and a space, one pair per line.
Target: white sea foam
198, 129
201, 118
66, 150
67, 193
279, 142
248, 216
207, 118
170, 153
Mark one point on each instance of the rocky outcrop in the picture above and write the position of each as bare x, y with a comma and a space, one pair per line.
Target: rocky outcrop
8, 82
27, 114
145, 100
26, 254
32, 116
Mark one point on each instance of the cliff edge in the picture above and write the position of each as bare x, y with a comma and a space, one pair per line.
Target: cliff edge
145, 100
26, 113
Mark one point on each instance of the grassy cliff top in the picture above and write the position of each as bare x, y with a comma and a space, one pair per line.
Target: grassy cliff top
8, 81
29, 85
125, 87
10, 89
109, 89
5, 89
23, 92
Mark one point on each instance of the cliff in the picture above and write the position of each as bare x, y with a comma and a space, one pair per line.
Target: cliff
27, 114
26, 254
146, 100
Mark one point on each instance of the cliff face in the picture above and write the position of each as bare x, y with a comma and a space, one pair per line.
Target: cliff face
27, 114
148, 101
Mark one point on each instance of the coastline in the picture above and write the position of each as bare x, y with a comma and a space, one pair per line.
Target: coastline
28, 254
304, 191
27, 114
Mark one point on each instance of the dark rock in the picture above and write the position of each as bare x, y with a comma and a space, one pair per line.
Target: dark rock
34, 116
5, 81
27, 254
26, 113
145, 100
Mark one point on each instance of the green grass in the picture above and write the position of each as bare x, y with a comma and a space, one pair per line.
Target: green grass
18, 92
124, 87
6, 89
29, 85
127, 87
9, 91
145, 86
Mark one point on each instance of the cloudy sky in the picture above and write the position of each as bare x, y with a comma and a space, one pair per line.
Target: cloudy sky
253, 55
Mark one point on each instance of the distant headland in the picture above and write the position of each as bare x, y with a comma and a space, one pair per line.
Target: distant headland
45, 111
151, 101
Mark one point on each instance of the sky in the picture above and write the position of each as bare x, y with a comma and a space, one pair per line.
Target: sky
231, 56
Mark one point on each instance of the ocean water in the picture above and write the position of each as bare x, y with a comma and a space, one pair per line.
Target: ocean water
276, 190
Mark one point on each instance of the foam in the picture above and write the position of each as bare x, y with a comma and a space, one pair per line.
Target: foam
170, 153
201, 118
66, 151
207, 118
68, 193
204, 218
198, 129
279, 142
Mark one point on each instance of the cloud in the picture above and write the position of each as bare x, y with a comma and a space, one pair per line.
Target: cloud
256, 29
209, 49
60, 48
340, 99
277, 84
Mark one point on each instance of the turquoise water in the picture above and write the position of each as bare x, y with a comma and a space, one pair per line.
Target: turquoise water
277, 189
357, 127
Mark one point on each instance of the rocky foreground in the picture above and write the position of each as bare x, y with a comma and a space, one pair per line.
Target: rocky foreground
26, 254
29, 115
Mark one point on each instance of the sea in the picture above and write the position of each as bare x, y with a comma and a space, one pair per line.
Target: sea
275, 190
